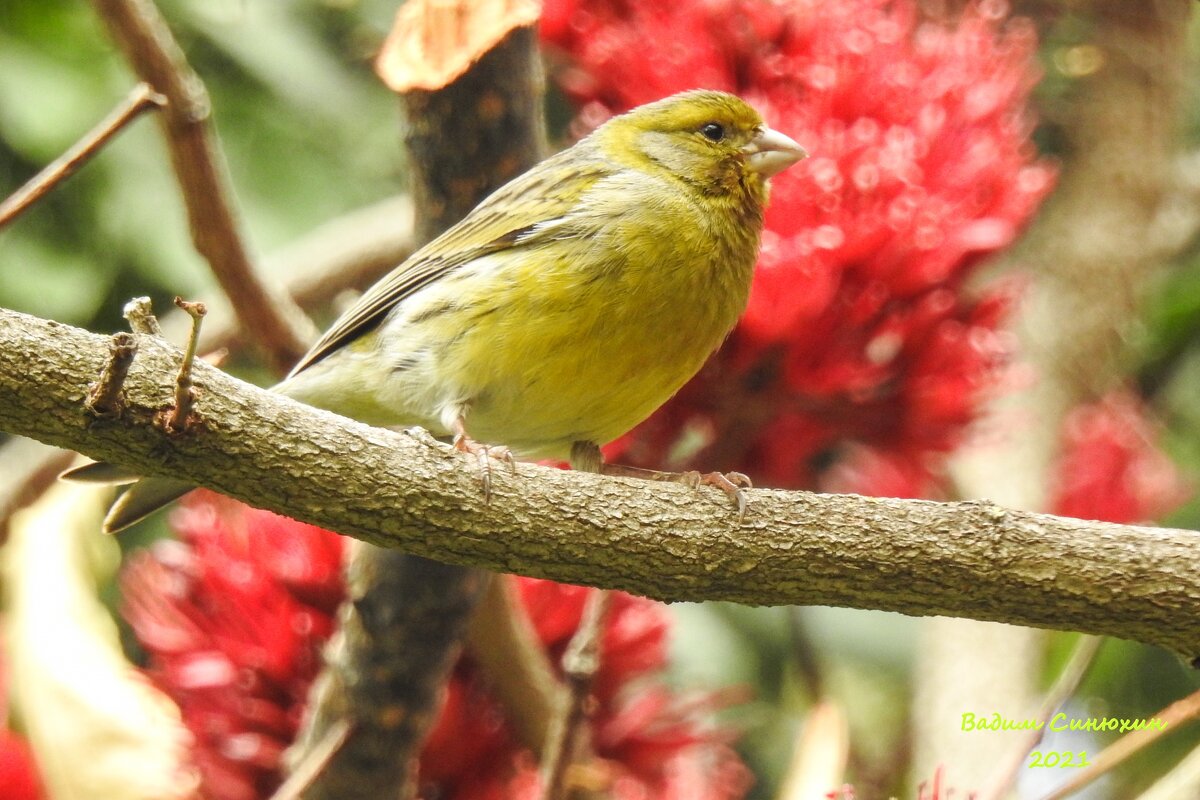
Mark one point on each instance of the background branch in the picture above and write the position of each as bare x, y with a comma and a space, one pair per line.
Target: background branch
502, 641
27, 469
276, 323
384, 687
142, 98
405, 490
349, 252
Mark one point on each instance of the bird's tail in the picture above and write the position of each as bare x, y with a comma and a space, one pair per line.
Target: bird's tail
143, 498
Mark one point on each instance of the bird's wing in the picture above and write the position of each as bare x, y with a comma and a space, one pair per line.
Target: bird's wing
510, 217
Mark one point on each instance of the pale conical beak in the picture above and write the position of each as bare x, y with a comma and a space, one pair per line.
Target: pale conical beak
770, 152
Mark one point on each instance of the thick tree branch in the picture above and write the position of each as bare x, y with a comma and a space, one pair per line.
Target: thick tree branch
404, 490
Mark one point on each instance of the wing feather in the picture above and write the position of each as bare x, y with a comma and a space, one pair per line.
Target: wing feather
510, 217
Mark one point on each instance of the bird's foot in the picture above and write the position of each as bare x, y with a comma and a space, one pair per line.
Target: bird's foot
733, 484
484, 455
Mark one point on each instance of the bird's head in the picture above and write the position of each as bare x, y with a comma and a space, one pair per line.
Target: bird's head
712, 140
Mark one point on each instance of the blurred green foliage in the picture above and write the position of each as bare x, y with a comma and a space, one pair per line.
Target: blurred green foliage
307, 130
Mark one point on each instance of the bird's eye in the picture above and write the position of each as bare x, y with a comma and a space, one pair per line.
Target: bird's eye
712, 131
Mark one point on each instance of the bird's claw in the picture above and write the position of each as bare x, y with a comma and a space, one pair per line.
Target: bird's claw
731, 483
483, 456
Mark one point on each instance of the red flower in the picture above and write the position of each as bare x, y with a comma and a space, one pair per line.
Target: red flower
860, 349
19, 776
651, 743
18, 772
1110, 467
233, 617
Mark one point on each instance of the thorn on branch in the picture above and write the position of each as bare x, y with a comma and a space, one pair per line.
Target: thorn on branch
179, 418
105, 397
567, 737
140, 316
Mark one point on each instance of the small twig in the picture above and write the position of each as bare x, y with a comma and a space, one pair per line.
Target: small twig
277, 324
105, 395
140, 316
184, 394
142, 98
819, 756
580, 663
803, 653
1068, 681
313, 762
1171, 717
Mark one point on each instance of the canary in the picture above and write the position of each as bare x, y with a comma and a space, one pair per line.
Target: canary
568, 305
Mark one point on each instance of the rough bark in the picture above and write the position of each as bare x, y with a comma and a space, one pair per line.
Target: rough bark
385, 688
405, 491
475, 135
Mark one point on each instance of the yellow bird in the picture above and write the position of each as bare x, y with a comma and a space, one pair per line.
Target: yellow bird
567, 306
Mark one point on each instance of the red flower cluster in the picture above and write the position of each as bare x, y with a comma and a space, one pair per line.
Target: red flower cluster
651, 745
235, 613
861, 358
233, 617
1110, 467
19, 776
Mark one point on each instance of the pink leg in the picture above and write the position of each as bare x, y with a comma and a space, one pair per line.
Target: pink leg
483, 456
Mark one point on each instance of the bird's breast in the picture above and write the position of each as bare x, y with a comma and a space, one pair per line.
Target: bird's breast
583, 339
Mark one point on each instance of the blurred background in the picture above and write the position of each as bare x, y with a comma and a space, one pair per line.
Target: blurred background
983, 283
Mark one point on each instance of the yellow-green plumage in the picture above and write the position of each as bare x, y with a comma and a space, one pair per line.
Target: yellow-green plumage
572, 302
595, 286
